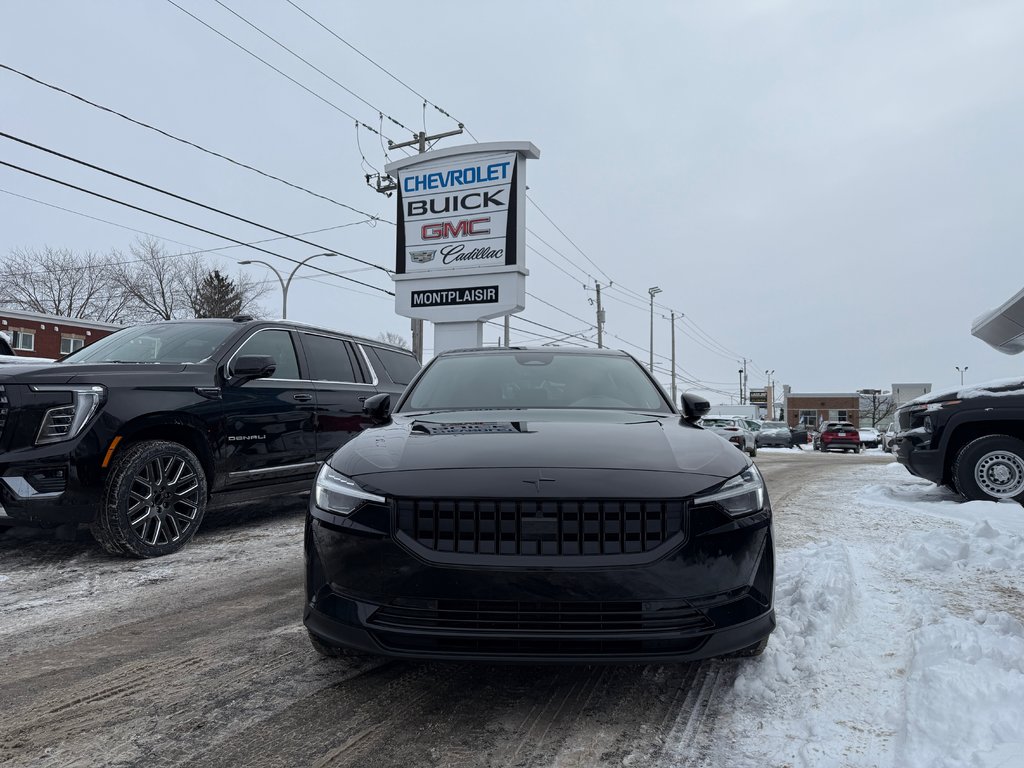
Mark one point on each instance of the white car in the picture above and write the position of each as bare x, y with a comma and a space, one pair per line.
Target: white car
869, 437
7, 355
734, 429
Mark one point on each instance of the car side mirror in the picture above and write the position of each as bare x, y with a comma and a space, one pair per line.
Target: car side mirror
694, 407
249, 367
378, 408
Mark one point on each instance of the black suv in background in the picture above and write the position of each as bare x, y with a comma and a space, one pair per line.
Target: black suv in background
137, 433
971, 440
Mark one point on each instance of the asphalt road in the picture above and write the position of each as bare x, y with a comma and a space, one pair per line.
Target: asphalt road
201, 660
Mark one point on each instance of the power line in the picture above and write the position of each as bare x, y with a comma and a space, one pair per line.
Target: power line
193, 249
185, 224
569, 239
188, 200
189, 143
308, 63
559, 309
267, 63
381, 68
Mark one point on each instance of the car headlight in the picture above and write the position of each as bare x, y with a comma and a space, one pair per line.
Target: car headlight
334, 492
65, 422
741, 495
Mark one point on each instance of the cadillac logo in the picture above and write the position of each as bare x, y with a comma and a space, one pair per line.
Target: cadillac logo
422, 257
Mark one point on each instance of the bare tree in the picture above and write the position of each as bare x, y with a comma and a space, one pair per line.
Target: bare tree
58, 281
156, 282
167, 286
393, 338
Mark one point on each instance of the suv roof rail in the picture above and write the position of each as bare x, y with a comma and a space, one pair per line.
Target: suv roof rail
242, 318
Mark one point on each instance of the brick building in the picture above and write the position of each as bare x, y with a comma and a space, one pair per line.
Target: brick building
810, 409
34, 335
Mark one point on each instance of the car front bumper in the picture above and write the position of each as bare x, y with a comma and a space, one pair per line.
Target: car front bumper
921, 461
708, 593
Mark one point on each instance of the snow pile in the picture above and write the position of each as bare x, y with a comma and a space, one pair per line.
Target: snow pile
965, 693
900, 638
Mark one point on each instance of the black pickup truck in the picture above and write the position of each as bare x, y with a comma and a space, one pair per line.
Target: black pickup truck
969, 439
138, 433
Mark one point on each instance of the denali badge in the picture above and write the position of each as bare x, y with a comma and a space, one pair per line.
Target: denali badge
422, 257
245, 438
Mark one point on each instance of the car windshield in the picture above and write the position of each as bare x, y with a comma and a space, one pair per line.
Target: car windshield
535, 379
773, 425
156, 343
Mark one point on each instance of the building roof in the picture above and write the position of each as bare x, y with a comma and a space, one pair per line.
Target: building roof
38, 317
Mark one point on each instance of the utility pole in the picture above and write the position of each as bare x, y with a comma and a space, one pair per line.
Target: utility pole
388, 185
673, 357
654, 291
600, 317
506, 331
741, 385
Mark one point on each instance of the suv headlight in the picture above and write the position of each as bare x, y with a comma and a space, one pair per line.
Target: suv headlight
334, 492
741, 495
65, 422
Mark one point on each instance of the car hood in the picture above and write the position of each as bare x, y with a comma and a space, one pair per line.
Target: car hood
82, 373
576, 439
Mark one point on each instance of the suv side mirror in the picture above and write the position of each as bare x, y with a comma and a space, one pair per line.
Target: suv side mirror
693, 407
249, 367
378, 408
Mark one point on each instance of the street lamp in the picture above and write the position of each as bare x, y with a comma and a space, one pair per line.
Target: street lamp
285, 285
961, 371
654, 291
874, 403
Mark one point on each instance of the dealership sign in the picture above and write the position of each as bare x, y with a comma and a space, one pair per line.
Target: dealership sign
458, 213
460, 250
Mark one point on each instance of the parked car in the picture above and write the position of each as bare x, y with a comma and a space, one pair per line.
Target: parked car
139, 432
538, 505
968, 439
777, 434
733, 429
9, 357
838, 434
888, 437
869, 437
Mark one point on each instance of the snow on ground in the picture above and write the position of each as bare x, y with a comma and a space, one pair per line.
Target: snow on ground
900, 637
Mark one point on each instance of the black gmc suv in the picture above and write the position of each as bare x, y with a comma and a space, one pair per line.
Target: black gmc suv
139, 432
970, 440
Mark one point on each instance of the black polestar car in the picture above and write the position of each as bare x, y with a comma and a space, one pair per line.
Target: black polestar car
538, 505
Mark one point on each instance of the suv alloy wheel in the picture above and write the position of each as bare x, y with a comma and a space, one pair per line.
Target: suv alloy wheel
154, 500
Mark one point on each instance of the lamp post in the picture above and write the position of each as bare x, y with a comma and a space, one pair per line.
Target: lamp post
285, 284
770, 400
961, 371
874, 403
654, 291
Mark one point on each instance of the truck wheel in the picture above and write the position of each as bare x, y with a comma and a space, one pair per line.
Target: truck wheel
856, 449
991, 468
153, 502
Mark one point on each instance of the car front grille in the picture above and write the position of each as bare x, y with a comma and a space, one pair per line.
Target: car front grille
540, 527
514, 628
4, 408
511, 616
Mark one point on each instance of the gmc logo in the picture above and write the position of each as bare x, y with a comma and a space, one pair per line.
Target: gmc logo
446, 230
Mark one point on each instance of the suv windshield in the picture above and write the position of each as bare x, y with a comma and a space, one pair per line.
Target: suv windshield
534, 379
156, 343
774, 425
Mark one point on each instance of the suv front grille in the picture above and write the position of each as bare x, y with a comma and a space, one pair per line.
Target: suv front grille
540, 527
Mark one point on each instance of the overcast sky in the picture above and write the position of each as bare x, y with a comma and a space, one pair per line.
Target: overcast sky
832, 191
